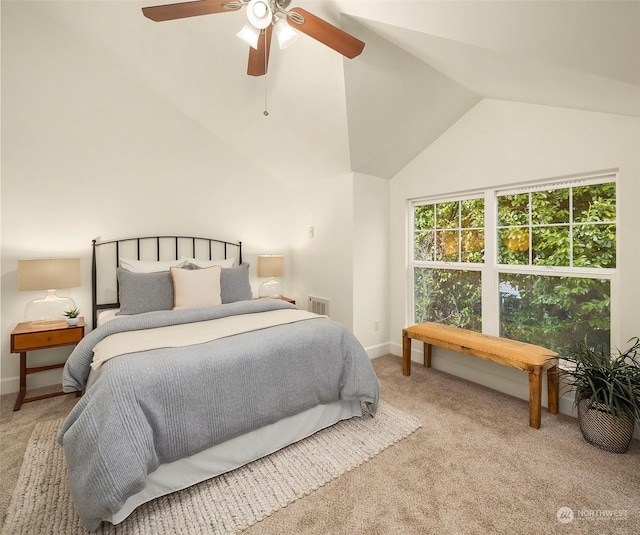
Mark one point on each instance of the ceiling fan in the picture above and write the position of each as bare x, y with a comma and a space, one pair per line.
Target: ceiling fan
264, 17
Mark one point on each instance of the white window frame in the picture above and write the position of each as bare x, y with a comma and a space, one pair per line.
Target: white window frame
490, 269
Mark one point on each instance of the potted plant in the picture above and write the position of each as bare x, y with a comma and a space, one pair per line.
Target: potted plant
607, 390
72, 317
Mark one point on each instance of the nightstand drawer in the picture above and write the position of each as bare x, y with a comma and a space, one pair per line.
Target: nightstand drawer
43, 340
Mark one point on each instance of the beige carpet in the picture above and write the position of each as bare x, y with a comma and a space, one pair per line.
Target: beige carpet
226, 504
474, 467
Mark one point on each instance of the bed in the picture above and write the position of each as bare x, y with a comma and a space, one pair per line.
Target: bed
186, 376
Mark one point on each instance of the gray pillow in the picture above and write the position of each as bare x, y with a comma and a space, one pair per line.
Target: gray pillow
144, 292
234, 284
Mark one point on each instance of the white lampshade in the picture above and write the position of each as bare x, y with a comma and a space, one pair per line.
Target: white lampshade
48, 274
249, 34
286, 34
259, 13
270, 266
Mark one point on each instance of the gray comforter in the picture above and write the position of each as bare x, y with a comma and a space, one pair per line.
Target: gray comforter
157, 406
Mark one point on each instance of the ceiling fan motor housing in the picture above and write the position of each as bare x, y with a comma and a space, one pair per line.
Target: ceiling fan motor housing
259, 13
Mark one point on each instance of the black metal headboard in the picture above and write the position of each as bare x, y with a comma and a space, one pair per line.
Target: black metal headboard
106, 256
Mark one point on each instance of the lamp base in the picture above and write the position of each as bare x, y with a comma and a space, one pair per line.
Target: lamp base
49, 309
270, 288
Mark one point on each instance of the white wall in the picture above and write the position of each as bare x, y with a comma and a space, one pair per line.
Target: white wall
499, 143
371, 263
323, 264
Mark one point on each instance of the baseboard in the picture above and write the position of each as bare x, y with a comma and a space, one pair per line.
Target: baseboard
378, 350
11, 385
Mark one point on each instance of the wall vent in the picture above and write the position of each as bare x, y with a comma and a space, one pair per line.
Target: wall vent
318, 305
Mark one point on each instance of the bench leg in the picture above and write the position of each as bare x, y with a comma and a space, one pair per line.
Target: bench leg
553, 389
406, 354
427, 355
535, 398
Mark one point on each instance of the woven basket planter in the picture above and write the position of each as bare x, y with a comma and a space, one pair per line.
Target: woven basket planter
602, 430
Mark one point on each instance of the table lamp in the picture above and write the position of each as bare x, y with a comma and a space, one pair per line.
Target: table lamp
48, 274
270, 266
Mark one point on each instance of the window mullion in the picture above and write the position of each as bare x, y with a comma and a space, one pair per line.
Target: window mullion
530, 230
490, 294
571, 226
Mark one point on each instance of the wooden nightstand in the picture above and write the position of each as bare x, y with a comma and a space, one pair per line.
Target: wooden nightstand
281, 297
30, 336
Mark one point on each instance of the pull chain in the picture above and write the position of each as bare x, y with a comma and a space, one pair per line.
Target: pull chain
266, 57
265, 112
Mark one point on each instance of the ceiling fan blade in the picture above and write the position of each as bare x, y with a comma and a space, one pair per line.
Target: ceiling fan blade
326, 33
189, 9
259, 58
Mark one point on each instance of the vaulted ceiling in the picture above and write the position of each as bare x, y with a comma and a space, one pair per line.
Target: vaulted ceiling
425, 64
582, 55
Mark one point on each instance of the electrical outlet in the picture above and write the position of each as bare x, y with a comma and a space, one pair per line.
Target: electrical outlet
376, 325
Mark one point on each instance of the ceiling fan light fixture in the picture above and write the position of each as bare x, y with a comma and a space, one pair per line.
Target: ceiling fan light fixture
286, 34
259, 13
249, 34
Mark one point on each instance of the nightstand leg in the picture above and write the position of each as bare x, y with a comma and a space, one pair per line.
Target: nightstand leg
23, 381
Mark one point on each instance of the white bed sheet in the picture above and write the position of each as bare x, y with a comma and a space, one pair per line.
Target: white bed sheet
236, 452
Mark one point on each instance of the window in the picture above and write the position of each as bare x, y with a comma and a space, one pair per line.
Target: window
450, 231
448, 296
558, 227
536, 263
448, 240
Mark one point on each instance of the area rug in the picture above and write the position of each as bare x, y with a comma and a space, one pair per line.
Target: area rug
229, 503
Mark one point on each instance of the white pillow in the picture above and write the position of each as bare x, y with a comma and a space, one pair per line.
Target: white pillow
196, 288
142, 266
224, 262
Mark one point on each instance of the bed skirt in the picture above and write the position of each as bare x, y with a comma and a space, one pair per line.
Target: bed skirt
178, 475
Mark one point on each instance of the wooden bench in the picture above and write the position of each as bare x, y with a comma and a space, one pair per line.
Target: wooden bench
533, 359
